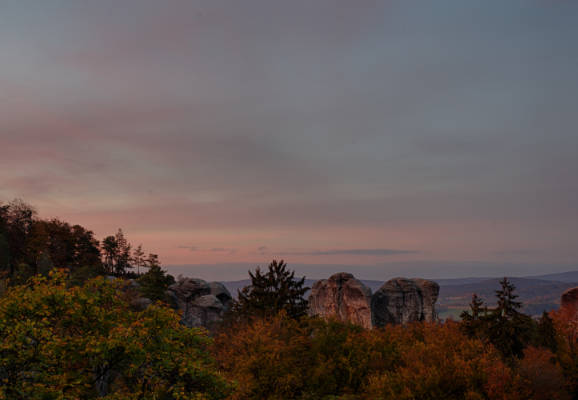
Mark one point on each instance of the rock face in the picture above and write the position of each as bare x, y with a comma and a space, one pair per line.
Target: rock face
342, 297
402, 300
569, 299
202, 303
430, 291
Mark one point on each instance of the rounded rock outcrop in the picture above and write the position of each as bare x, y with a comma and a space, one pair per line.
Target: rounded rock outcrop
569, 300
342, 297
201, 303
402, 300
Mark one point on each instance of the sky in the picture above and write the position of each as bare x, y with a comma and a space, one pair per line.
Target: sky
386, 137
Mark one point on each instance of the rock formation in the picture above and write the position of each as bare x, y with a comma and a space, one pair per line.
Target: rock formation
402, 300
202, 303
342, 297
569, 300
430, 291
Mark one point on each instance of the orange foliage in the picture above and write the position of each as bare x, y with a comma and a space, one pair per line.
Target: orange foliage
439, 362
281, 358
566, 324
267, 358
542, 374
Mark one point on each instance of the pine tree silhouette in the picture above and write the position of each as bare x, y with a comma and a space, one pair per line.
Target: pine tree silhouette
271, 292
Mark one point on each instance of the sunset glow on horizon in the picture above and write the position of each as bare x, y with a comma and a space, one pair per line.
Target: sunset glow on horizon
335, 133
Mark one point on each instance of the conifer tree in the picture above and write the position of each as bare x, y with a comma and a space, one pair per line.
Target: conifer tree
271, 292
156, 281
473, 322
116, 254
109, 250
509, 329
138, 258
507, 306
546, 333
123, 258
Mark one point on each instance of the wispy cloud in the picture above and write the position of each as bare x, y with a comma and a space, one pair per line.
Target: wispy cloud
191, 248
517, 252
356, 252
222, 250
211, 250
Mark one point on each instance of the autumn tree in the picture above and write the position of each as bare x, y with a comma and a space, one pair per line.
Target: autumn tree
84, 342
284, 358
272, 291
566, 325
268, 358
542, 375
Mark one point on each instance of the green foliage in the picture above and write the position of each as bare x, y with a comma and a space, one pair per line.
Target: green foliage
155, 282
84, 342
272, 292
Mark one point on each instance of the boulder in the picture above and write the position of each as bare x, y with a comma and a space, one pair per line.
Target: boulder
206, 311
219, 290
402, 300
187, 289
342, 297
201, 303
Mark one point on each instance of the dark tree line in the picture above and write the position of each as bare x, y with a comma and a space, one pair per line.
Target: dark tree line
505, 326
30, 245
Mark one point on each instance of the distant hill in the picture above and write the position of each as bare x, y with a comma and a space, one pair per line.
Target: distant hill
570, 276
537, 293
